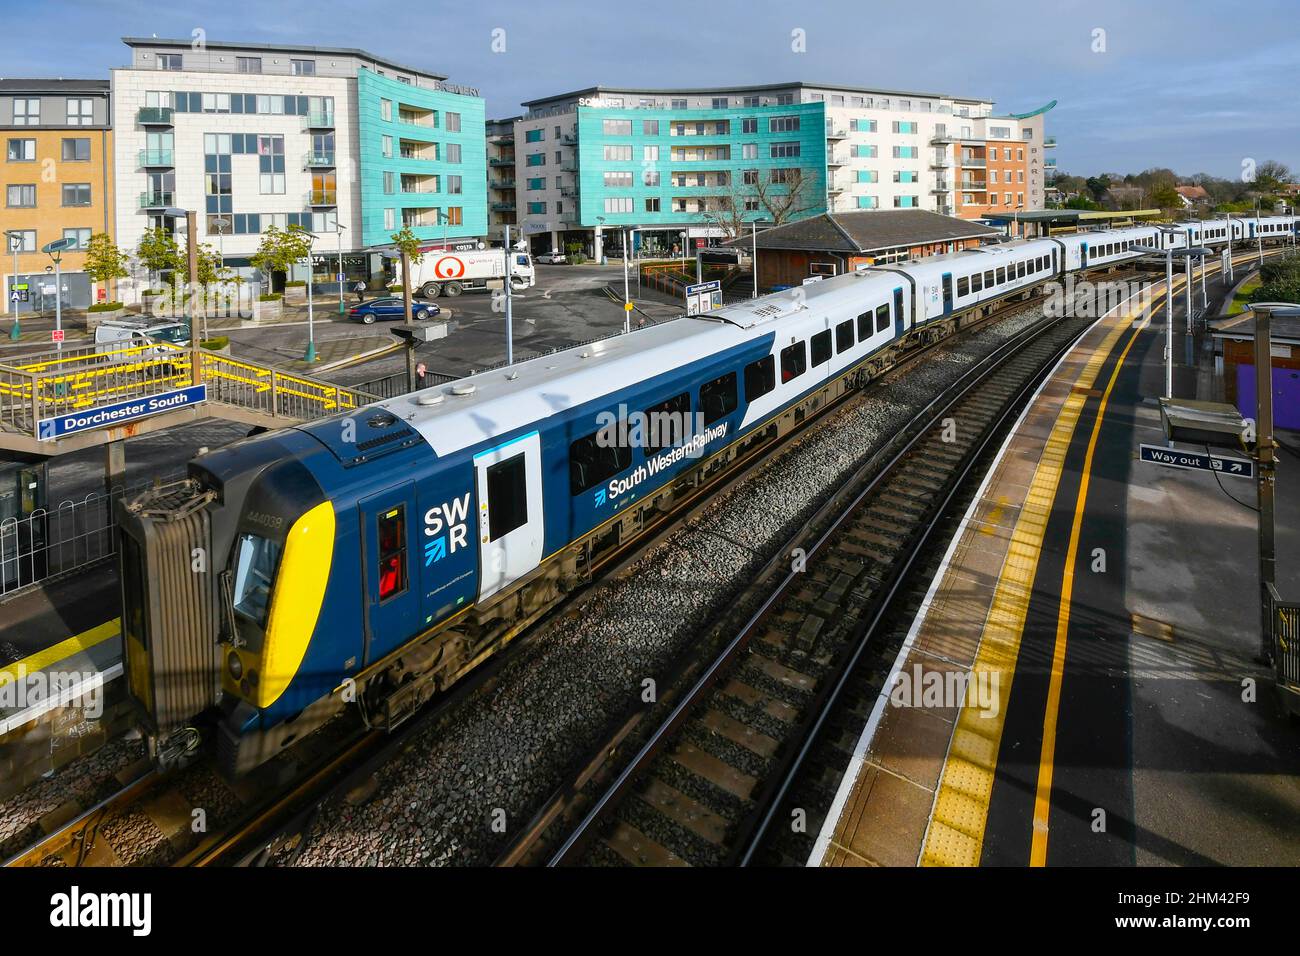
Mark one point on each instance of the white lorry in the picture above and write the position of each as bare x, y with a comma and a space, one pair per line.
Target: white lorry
440, 272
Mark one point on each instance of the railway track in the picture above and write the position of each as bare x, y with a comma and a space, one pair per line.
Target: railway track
705, 785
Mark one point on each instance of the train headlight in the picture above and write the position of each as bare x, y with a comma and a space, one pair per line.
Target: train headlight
235, 666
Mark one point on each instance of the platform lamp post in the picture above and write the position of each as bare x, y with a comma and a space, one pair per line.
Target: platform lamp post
55, 251
1228, 265
15, 246
1259, 235
1265, 459
1169, 311
510, 318
191, 218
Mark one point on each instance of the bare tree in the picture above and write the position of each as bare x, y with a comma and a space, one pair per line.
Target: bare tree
779, 200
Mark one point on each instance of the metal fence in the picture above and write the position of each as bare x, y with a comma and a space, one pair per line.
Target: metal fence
54, 541
1286, 641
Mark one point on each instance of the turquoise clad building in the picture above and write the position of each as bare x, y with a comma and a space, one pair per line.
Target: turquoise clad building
423, 160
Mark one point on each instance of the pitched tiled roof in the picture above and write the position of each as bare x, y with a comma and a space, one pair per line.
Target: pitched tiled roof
867, 230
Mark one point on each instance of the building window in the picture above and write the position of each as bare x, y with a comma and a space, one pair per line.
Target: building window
749, 177
618, 180
386, 145
454, 185
867, 202
455, 215
81, 236
650, 127
785, 99
783, 124
81, 112
749, 125
650, 154
652, 205
749, 151
534, 135
24, 150
20, 197
618, 204
303, 67
168, 61
751, 204
390, 218
76, 194
650, 177
678, 104
900, 127
453, 152
720, 103
537, 209
784, 150
537, 182
27, 112
26, 240
248, 64
618, 154
386, 110
617, 127
76, 150
535, 159
453, 122
388, 182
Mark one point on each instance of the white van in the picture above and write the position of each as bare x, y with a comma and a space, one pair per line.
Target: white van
127, 333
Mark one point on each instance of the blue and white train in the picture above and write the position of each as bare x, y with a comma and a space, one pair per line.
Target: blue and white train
373, 558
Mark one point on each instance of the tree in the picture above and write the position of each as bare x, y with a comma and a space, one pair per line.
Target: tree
1271, 176
1080, 202
158, 252
1097, 186
105, 261
409, 246
211, 268
279, 250
777, 202
1165, 196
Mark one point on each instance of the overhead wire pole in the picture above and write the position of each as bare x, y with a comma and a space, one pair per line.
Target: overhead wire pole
15, 245
510, 354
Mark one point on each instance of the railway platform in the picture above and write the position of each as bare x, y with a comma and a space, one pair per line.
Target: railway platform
1081, 684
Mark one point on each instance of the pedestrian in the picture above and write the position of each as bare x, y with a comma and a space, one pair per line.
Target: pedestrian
360, 290
421, 370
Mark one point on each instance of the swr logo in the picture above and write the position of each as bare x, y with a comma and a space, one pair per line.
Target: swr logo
449, 267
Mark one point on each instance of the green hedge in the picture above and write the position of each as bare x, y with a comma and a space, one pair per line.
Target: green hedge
215, 344
270, 297
296, 284
105, 307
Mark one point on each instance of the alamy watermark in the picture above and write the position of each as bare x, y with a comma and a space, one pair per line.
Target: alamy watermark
20, 690
946, 689
1092, 300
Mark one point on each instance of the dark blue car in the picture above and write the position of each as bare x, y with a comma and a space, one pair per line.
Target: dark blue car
389, 309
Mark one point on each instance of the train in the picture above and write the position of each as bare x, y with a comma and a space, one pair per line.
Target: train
374, 558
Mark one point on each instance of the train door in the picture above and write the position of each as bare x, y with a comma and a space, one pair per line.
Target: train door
900, 326
508, 480
1083, 255
947, 293
387, 552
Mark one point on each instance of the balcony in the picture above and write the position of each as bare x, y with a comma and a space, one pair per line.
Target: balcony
155, 116
834, 161
973, 162
319, 120
1049, 163
158, 200
973, 186
318, 160
503, 184
500, 161
569, 192
569, 167
944, 210
569, 139
837, 134
835, 189
156, 157
942, 186
503, 207
941, 162
1049, 142
322, 197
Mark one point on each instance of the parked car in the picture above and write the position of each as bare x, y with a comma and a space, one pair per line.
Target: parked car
551, 258
389, 309
126, 332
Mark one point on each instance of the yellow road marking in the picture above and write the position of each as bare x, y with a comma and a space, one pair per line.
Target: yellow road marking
955, 836
1047, 758
61, 651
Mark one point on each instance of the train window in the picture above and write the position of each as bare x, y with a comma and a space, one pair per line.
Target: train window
882, 318
507, 490
135, 609
255, 565
1020, 270
1002, 275
963, 286
988, 279
864, 326
598, 457
718, 398
976, 282
794, 361
667, 424
843, 337
391, 534
821, 347
760, 377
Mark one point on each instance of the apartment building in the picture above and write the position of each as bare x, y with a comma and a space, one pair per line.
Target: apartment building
57, 181
340, 142
501, 181
676, 163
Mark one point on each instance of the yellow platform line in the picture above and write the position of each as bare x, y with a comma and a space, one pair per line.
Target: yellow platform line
61, 651
955, 835
1047, 755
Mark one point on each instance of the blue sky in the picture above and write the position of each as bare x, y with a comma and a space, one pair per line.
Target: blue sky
1193, 85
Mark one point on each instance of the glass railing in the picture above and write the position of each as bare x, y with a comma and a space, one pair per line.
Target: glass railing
320, 119
323, 158
156, 157
322, 197
155, 200
155, 115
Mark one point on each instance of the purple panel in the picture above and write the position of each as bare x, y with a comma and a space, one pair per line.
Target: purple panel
1286, 395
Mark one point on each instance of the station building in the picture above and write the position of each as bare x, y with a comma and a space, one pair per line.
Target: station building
345, 144
57, 180
688, 165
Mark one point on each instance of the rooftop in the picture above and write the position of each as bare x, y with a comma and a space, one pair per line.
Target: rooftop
599, 91
283, 48
59, 85
868, 231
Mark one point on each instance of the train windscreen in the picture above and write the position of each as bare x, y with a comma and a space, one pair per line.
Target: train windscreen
256, 560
